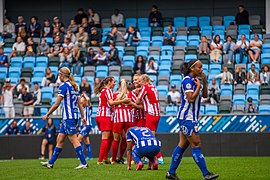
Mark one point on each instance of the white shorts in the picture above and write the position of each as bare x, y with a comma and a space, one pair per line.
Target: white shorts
28, 110
9, 112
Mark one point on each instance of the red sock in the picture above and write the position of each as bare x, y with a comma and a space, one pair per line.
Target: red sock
159, 155
115, 145
123, 146
103, 149
110, 140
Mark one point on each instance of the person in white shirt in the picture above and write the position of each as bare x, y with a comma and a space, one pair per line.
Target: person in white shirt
132, 37
117, 19
216, 49
37, 99
151, 66
226, 76
241, 47
8, 28
7, 99
255, 48
173, 96
18, 48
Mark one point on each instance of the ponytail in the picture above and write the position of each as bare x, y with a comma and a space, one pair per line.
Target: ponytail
103, 83
73, 82
123, 89
146, 78
185, 68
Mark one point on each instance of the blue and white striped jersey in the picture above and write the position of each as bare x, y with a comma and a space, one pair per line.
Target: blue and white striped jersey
88, 115
142, 136
189, 111
70, 104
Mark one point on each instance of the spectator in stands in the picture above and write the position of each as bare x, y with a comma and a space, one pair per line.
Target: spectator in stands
3, 58
73, 26
229, 47
169, 37
155, 17
212, 97
81, 38
13, 129
139, 67
101, 57
253, 76
47, 29
49, 78
173, 96
240, 76
8, 28
117, 19
242, 17
265, 75
57, 32
96, 83
18, 48
20, 86
71, 35
23, 34
85, 87
251, 107
226, 76
151, 66
28, 101
77, 60
241, 47
216, 49
49, 138
204, 46
255, 49
93, 18
34, 27
113, 56
132, 37
43, 49
95, 37
111, 37
20, 23
7, 99
67, 43
90, 57
80, 15
31, 43
27, 130
37, 99
214, 86
65, 58
29, 51
58, 24
56, 47
85, 25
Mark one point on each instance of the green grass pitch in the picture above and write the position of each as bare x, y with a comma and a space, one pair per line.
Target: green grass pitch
240, 168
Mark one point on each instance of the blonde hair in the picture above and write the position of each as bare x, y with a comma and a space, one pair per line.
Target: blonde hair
66, 72
50, 73
122, 89
146, 78
86, 84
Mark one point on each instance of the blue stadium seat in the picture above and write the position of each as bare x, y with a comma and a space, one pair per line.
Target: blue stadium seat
211, 109
94, 110
243, 27
265, 58
14, 80
204, 21
162, 90
3, 72
42, 61
192, 21
179, 21
39, 72
120, 50
165, 60
239, 100
171, 110
194, 42
106, 48
205, 69
129, 61
36, 79
142, 22
226, 90
257, 67
252, 37
90, 79
252, 89
206, 32
43, 111
131, 22
164, 70
255, 98
16, 62
47, 92
81, 71
220, 30
102, 71
14, 72
181, 37
214, 68
176, 79
141, 50
227, 20
194, 37
237, 59
145, 31
154, 77
29, 62
157, 41
117, 79
145, 41
189, 57
54, 70
167, 50
49, 40
7, 50
181, 42
264, 109
206, 28
78, 79
202, 110
106, 30
266, 48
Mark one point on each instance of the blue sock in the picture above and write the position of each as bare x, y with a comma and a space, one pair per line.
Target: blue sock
80, 154
89, 150
55, 155
176, 159
199, 159
82, 146
136, 158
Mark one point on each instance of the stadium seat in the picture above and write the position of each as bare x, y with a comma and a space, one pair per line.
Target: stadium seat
181, 42
142, 22
189, 57
204, 21
42, 61
80, 73
94, 110
37, 80
254, 20
131, 51
264, 89
126, 70
14, 72
164, 70
145, 41
47, 92
102, 71
156, 58
157, 41
54, 61
255, 98
89, 71
167, 50
114, 70
192, 21
16, 62
141, 50
205, 68
14, 80
163, 80
27, 72
227, 20
162, 90
176, 79
154, 77
237, 59
182, 31
78, 79
202, 110
90, 79
265, 58
226, 89
257, 66
39, 71
131, 22
265, 99
129, 61
165, 60
179, 21
239, 100
252, 89
120, 51
29, 62
157, 31
211, 110
264, 109
54, 70
171, 110
43, 111
216, 20
106, 30
154, 50
3, 72
266, 48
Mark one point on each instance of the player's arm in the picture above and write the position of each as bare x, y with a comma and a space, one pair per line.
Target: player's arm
117, 102
54, 107
137, 106
129, 154
204, 90
192, 95
141, 95
81, 110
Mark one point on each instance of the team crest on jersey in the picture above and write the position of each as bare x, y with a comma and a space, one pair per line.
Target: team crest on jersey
188, 86
184, 129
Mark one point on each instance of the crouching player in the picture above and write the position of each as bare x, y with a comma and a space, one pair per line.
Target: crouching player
146, 145
86, 128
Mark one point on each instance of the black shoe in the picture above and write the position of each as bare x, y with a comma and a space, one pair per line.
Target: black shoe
210, 176
120, 161
172, 176
106, 162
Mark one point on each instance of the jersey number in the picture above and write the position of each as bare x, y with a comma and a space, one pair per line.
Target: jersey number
145, 132
74, 101
155, 92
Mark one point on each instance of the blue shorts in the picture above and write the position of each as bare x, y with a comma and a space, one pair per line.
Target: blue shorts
69, 126
147, 151
85, 130
187, 127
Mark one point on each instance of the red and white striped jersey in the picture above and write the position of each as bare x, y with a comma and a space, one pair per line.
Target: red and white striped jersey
104, 108
122, 113
138, 113
149, 96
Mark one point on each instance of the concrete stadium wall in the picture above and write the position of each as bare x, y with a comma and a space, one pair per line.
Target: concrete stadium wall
214, 144
66, 9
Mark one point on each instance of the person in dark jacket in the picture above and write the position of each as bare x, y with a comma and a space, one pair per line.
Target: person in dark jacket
155, 17
81, 14
139, 67
113, 56
242, 17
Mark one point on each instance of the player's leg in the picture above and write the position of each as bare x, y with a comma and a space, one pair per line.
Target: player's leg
50, 148
115, 145
78, 148
123, 147
88, 148
43, 146
58, 148
104, 145
137, 158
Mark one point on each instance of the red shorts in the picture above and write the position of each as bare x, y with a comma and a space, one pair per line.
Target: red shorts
104, 123
119, 127
152, 122
139, 122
